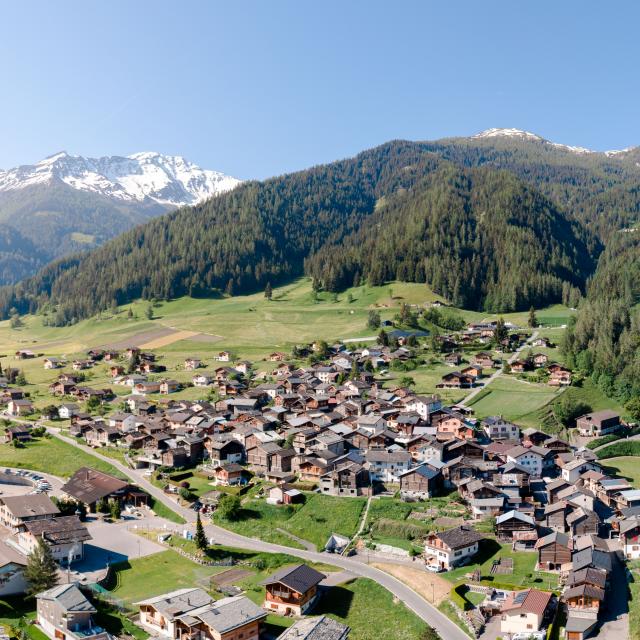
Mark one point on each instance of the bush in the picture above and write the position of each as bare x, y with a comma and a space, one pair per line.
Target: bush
625, 448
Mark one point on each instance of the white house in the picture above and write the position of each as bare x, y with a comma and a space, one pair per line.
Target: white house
387, 466
202, 379
524, 611
448, 549
497, 428
526, 458
573, 469
67, 411
424, 405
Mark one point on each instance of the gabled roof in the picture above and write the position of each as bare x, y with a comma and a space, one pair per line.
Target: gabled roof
459, 537
529, 601
300, 577
89, 485
515, 515
318, 628
69, 597
29, 506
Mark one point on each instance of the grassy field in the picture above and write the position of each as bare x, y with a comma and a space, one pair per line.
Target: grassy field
512, 398
371, 612
315, 520
158, 573
625, 467
51, 456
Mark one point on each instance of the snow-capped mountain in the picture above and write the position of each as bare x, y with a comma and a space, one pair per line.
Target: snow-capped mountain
527, 135
166, 180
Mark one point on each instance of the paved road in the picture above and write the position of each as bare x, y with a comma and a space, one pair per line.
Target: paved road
608, 444
499, 372
446, 628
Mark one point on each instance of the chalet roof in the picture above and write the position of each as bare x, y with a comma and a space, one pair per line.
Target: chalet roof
555, 537
89, 485
316, 628
62, 530
459, 537
36, 504
529, 601
515, 515
300, 578
229, 613
589, 575
69, 597
588, 590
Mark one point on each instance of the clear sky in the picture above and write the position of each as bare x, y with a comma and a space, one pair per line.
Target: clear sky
260, 88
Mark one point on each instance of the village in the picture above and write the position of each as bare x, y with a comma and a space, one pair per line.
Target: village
525, 532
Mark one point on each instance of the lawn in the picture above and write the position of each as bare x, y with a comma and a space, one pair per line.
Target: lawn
315, 520
512, 398
524, 573
51, 455
15, 613
156, 574
371, 612
625, 467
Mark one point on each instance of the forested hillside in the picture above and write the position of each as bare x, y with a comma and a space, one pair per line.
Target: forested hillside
480, 238
604, 339
491, 224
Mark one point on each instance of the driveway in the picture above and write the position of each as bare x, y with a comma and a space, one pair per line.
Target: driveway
615, 617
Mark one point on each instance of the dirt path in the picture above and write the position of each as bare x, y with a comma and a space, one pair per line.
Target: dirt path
429, 585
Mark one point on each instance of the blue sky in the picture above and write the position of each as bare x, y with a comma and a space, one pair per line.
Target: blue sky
260, 88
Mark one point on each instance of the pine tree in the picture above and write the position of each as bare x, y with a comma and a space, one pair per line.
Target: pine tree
200, 538
268, 292
41, 572
533, 320
149, 312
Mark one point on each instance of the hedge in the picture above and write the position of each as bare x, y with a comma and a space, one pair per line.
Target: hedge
625, 448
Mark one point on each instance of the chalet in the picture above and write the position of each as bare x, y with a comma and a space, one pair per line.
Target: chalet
88, 486
420, 482
542, 342
192, 613
223, 450
277, 356
12, 566
456, 380
169, 386
526, 458
190, 364
146, 387
483, 360
599, 423
64, 535
63, 613
511, 522
52, 363
554, 550
269, 456
347, 478
24, 354
525, 612
453, 359
101, 435
448, 549
222, 356
496, 428
227, 474
17, 511
630, 538
292, 590
18, 432
115, 371
285, 494
539, 360
472, 370
387, 466
520, 366
68, 410
21, 407
559, 376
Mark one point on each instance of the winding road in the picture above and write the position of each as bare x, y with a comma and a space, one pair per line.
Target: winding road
445, 628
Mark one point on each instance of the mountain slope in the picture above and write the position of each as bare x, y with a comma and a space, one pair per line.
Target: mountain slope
68, 203
479, 237
264, 231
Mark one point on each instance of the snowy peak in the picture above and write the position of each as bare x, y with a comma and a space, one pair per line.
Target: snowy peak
168, 180
527, 135
508, 133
